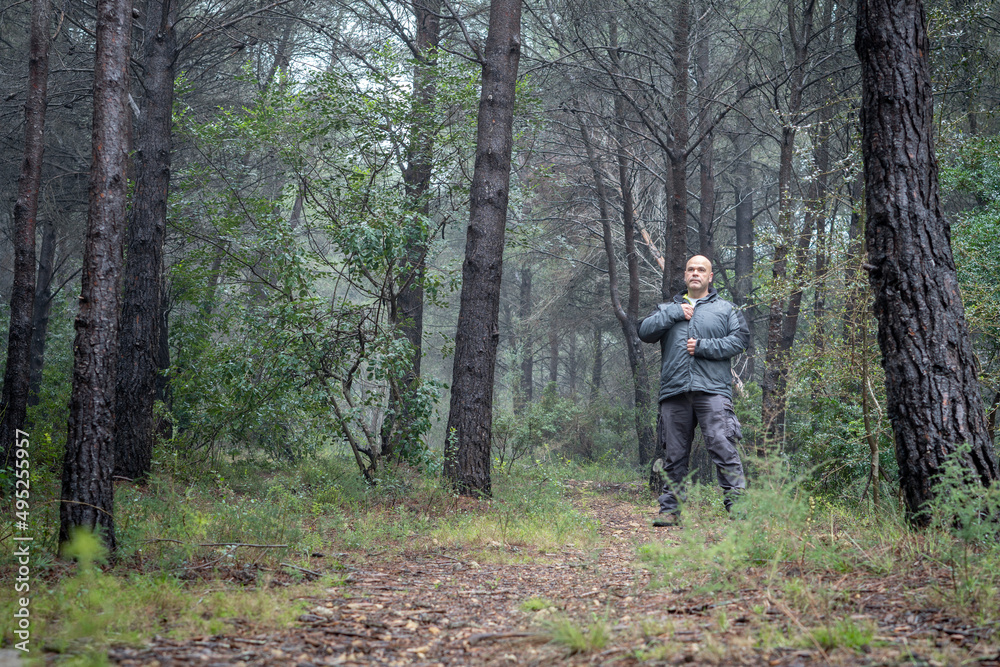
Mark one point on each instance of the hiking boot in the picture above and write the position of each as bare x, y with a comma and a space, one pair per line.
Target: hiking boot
667, 520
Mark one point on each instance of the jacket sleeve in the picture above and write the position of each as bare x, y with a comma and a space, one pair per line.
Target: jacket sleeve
659, 322
736, 340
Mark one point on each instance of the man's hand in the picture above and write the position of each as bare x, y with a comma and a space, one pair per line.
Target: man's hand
688, 310
692, 343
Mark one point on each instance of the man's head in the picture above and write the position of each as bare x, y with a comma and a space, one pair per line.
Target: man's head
698, 276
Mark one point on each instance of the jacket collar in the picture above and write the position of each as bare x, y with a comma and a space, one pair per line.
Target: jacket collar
712, 294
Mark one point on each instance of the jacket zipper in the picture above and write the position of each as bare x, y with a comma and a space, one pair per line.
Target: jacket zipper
690, 356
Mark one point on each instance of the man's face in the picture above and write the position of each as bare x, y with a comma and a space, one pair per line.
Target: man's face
698, 274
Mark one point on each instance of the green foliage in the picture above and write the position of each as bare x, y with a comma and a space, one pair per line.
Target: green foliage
553, 421
559, 424
297, 237
777, 521
529, 511
845, 633
579, 639
967, 514
971, 178
536, 604
80, 615
962, 506
86, 549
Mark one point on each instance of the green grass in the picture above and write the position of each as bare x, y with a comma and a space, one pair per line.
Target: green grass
82, 609
536, 604
780, 524
183, 535
804, 553
842, 634
577, 638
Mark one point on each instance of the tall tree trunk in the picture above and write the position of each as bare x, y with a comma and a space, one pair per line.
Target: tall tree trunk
642, 393
854, 313
706, 211
408, 311
790, 324
676, 247
933, 393
87, 489
139, 338
42, 309
527, 383
14, 398
630, 328
821, 200
597, 368
743, 267
571, 361
628, 316
776, 358
553, 351
469, 432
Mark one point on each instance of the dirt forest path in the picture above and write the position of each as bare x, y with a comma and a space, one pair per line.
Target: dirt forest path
429, 608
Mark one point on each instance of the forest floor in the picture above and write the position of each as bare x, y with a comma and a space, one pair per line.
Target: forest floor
599, 604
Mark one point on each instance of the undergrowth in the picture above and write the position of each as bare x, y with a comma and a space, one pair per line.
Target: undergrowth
808, 557
233, 544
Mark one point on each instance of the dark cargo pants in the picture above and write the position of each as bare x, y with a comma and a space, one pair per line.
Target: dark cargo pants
720, 429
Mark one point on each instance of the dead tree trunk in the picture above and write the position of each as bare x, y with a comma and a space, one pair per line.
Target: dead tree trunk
14, 399
87, 490
139, 338
933, 393
469, 433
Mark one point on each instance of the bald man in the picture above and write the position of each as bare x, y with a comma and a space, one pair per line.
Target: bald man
699, 332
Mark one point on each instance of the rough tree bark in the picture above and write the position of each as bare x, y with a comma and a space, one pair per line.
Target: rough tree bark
933, 394
676, 250
706, 169
469, 433
139, 337
14, 399
87, 491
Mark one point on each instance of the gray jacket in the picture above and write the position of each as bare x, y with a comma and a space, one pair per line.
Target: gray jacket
721, 331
